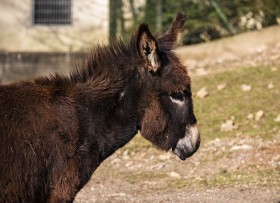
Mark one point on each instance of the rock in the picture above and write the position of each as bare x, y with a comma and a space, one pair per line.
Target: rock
228, 126
246, 88
221, 86
270, 86
277, 119
240, 147
174, 175
259, 115
202, 93
250, 116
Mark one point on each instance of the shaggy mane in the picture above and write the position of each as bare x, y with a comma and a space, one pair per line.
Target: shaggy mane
101, 57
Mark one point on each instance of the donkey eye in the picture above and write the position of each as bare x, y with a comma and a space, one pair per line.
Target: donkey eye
177, 96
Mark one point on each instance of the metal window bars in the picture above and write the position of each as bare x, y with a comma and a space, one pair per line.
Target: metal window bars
52, 12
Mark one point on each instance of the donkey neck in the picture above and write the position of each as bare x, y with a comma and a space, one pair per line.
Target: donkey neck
108, 109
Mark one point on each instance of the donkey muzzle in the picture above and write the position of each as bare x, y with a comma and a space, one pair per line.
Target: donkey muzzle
189, 144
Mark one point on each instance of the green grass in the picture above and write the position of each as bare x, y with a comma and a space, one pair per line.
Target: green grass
248, 176
232, 101
213, 110
261, 177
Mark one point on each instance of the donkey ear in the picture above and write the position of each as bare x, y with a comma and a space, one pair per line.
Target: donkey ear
148, 48
168, 40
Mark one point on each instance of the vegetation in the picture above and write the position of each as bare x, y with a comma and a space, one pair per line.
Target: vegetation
207, 19
233, 102
211, 111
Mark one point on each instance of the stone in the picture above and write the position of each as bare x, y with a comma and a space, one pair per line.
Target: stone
174, 175
240, 147
164, 157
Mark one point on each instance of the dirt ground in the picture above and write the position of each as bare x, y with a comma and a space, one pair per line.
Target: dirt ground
231, 169
153, 176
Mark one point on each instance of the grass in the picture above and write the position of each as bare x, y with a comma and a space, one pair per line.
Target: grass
211, 112
260, 177
221, 105
250, 176
232, 101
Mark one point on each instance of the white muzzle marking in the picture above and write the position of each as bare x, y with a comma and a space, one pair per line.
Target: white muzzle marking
188, 145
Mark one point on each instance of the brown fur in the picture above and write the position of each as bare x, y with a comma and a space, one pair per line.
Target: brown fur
56, 130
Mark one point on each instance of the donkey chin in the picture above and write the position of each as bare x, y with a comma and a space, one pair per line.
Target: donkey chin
189, 144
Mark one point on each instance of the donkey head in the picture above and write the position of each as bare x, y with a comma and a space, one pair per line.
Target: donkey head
168, 120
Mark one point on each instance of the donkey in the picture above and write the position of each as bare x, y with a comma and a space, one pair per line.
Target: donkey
56, 130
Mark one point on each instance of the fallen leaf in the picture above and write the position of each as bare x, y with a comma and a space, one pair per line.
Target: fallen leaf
221, 86
250, 116
228, 126
202, 93
259, 115
270, 86
277, 119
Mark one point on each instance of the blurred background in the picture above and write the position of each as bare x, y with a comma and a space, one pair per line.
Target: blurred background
57, 32
232, 52
63, 25
69, 28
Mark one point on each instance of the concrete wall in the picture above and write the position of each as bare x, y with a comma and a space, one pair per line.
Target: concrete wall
27, 65
90, 25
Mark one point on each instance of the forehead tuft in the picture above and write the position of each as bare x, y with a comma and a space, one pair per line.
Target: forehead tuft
176, 77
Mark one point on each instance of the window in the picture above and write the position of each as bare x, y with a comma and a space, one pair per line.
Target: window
52, 12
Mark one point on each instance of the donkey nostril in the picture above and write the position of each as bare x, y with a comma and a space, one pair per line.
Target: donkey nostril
198, 143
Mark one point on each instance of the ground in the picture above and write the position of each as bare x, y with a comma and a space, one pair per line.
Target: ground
239, 158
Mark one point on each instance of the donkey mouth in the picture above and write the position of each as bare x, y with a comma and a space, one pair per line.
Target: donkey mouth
187, 145
183, 154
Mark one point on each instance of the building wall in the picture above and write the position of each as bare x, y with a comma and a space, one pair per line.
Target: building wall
17, 33
27, 65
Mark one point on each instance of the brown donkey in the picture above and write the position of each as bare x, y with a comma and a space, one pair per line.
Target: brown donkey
56, 130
